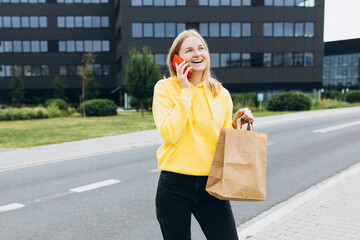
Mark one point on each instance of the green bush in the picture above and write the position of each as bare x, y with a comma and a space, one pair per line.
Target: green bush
60, 103
289, 101
135, 103
332, 95
245, 99
353, 96
99, 107
22, 113
53, 110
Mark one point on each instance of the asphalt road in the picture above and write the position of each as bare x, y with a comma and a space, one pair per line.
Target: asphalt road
298, 158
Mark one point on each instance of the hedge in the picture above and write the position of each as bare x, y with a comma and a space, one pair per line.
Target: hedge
333, 95
22, 113
353, 96
289, 101
99, 107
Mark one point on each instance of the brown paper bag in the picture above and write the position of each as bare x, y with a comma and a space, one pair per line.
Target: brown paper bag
238, 171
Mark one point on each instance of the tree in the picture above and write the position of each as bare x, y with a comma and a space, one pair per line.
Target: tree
87, 75
142, 73
92, 88
17, 93
59, 87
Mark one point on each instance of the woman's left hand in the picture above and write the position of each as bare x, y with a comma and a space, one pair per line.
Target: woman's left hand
245, 115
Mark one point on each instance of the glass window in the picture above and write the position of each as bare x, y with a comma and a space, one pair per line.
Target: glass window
17, 46
288, 59
88, 46
309, 29
278, 29
268, 30
204, 29
105, 46
96, 22
214, 3
61, 21
308, 59
62, 46
105, 21
267, 60
159, 30
159, 2
36, 71
1, 46
86, 1
310, 3
214, 29
137, 30
77, 1
268, 2
289, 29
214, 60
95, 1
148, 30
8, 46
245, 57
45, 70
181, 2
236, 3
246, 29
79, 46
180, 27
79, 69
106, 70
203, 2
235, 59
35, 46
170, 29
169, 2
225, 60
278, 3
43, 46
27, 70
257, 59
298, 59
26, 46
7, 22
9, 70
15, 21
43, 21
300, 3
160, 59
97, 46
147, 2
71, 70
0, 19
70, 21
225, 29
277, 59
62, 70
299, 29
236, 29
2, 70
225, 2
34, 23
87, 21
24, 1
97, 69
14, 1
70, 45
289, 3
78, 21
246, 2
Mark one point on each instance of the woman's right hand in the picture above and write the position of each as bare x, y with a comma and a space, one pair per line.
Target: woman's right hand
181, 75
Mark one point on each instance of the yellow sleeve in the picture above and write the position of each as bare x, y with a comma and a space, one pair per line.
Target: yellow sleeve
229, 111
171, 120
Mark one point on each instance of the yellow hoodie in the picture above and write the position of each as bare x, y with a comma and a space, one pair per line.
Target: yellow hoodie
189, 121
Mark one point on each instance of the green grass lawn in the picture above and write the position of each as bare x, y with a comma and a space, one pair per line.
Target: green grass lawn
28, 133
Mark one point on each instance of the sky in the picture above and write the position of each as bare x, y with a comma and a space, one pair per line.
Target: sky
342, 20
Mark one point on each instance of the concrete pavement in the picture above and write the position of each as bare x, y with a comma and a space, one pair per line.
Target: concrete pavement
329, 210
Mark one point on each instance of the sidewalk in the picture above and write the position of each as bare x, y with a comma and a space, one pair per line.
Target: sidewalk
327, 211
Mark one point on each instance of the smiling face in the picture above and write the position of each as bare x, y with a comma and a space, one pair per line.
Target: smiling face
194, 53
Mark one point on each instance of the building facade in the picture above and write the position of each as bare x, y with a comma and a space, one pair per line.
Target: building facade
255, 45
342, 65
42, 38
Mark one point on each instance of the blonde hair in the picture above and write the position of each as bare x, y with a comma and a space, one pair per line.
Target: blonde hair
209, 81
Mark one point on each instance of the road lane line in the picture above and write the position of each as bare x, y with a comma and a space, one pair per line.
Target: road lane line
337, 127
10, 207
154, 170
95, 185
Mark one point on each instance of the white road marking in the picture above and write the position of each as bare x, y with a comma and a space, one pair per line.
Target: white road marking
10, 207
337, 127
270, 143
296, 201
154, 170
95, 185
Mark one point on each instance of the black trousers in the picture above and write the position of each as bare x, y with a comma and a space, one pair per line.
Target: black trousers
178, 196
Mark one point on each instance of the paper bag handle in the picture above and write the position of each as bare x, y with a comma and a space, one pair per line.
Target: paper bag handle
239, 126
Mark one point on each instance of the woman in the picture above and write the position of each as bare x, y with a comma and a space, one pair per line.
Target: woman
189, 115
